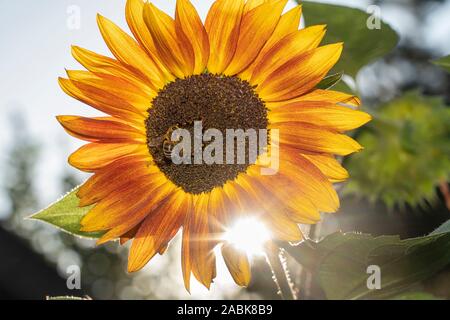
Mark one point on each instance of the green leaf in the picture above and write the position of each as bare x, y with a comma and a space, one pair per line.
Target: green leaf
66, 214
330, 81
361, 44
415, 296
409, 137
443, 62
339, 262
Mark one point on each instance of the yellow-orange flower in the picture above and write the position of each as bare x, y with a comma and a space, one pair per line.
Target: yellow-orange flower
248, 64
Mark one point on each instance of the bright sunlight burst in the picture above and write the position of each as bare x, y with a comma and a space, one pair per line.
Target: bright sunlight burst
249, 235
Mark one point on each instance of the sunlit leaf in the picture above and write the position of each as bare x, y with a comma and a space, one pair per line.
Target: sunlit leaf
66, 215
340, 262
361, 44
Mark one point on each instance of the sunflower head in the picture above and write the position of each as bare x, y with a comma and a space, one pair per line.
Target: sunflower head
181, 82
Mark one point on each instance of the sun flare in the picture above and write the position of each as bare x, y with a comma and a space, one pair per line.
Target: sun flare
249, 235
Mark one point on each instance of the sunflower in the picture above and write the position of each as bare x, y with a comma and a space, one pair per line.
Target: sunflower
247, 67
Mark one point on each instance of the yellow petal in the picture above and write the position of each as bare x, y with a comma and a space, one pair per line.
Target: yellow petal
188, 22
118, 86
100, 64
173, 49
308, 137
101, 130
156, 230
319, 95
203, 260
289, 22
310, 181
326, 115
329, 166
186, 253
291, 46
134, 13
136, 214
256, 28
116, 175
300, 74
103, 101
128, 51
252, 4
282, 227
94, 156
238, 265
222, 24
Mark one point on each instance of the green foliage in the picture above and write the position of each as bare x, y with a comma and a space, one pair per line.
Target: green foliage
330, 81
415, 296
66, 214
444, 63
339, 262
361, 44
407, 152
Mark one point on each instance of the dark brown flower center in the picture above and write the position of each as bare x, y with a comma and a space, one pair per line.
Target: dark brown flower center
217, 102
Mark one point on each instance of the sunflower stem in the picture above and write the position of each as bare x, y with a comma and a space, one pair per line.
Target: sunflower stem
280, 273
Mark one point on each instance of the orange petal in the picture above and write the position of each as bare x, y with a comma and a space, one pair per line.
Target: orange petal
129, 235
128, 51
319, 95
256, 28
252, 4
289, 22
329, 166
310, 180
134, 13
97, 63
238, 265
173, 49
134, 216
286, 192
102, 100
287, 49
117, 86
157, 230
94, 156
102, 184
300, 74
222, 24
308, 137
100, 130
188, 22
326, 115
202, 257
282, 227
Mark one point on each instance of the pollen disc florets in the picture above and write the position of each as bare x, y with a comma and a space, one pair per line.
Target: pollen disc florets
219, 102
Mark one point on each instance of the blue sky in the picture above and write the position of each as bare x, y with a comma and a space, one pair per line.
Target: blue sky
36, 48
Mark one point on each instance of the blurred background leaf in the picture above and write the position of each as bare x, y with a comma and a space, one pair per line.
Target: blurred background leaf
444, 63
361, 44
406, 152
339, 262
